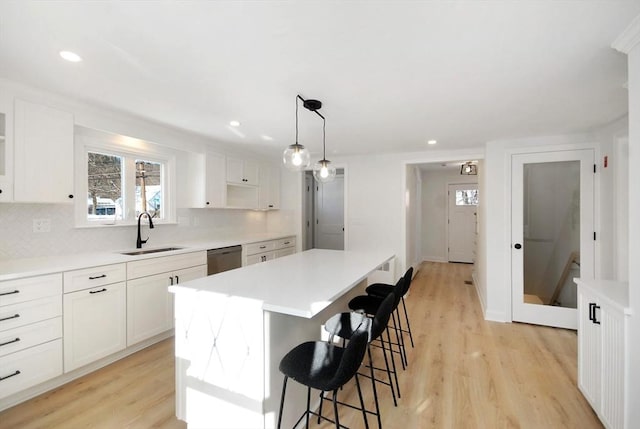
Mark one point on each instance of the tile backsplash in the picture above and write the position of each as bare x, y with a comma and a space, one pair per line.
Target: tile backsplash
17, 239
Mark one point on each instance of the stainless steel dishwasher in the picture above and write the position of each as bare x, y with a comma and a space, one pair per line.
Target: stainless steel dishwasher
223, 259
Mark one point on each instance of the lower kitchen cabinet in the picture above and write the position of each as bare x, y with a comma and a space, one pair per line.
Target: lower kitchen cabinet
264, 251
602, 324
149, 303
94, 324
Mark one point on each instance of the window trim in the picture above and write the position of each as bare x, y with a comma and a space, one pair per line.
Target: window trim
130, 149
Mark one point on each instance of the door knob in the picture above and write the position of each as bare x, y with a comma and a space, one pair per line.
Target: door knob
518, 246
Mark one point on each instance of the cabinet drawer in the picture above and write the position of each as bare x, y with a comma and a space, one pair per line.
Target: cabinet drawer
286, 242
260, 257
13, 316
31, 335
94, 277
26, 368
22, 290
165, 264
285, 252
263, 246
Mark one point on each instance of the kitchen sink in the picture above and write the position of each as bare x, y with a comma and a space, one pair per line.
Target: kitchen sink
147, 251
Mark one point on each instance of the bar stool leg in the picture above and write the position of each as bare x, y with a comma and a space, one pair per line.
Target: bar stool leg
373, 386
308, 406
401, 338
393, 363
364, 411
386, 364
406, 316
395, 328
335, 408
320, 408
284, 389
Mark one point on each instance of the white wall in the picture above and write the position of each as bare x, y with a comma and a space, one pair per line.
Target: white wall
434, 210
19, 241
631, 46
412, 216
480, 266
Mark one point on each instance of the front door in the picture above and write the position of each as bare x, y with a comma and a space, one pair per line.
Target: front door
463, 204
552, 234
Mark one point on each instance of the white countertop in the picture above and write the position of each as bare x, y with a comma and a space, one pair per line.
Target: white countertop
616, 293
302, 284
11, 269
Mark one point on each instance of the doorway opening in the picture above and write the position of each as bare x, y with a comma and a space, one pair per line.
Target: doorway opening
324, 212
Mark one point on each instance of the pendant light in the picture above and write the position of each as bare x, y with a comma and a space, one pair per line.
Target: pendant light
323, 171
469, 169
296, 157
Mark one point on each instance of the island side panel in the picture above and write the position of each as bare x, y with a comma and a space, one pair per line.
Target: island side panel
283, 332
219, 360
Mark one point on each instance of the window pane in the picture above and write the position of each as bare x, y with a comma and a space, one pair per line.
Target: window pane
467, 197
104, 199
148, 188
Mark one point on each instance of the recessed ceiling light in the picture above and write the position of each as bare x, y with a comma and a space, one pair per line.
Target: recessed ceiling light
234, 123
267, 138
432, 142
70, 56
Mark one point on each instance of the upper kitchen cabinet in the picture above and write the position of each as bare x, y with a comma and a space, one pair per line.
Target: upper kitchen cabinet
6, 178
43, 154
269, 198
242, 171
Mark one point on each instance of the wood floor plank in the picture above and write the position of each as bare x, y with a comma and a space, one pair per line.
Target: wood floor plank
464, 372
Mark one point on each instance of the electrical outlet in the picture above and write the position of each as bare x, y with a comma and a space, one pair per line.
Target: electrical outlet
42, 225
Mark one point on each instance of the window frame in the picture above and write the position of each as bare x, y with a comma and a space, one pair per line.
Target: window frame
129, 149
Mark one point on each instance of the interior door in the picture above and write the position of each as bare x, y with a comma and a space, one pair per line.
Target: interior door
552, 234
329, 209
308, 211
463, 203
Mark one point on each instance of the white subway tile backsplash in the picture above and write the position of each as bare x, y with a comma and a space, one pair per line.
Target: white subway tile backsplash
17, 239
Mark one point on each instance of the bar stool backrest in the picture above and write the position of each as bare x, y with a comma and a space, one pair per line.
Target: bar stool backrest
381, 318
352, 356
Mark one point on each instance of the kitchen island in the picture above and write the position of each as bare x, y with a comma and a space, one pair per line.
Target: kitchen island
233, 328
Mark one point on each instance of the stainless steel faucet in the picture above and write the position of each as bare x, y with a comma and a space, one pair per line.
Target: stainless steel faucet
140, 241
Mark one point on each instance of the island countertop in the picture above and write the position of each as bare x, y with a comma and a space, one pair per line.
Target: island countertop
302, 284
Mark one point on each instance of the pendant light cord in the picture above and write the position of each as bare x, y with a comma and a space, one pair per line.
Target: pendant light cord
297, 118
324, 138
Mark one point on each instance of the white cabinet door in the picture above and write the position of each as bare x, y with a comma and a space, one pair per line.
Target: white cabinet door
187, 274
216, 182
43, 154
94, 324
6, 153
589, 346
269, 187
149, 307
613, 360
242, 171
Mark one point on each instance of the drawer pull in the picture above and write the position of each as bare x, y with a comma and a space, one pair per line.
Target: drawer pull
10, 375
15, 316
287, 242
10, 342
177, 280
263, 247
9, 293
98, 277
104, 289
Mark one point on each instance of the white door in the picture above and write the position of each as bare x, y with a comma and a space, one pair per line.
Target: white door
552, 235
309, 184
463, 203
329, 231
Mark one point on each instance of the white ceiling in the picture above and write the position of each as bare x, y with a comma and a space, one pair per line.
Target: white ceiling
391, 74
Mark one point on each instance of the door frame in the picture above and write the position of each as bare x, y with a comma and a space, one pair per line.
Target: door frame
562, 318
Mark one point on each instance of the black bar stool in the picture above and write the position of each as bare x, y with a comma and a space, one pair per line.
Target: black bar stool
383, 289
344, 325
369, 304
326, 367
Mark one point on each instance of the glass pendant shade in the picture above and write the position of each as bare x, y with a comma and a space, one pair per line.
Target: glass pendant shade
323, 171
296, 157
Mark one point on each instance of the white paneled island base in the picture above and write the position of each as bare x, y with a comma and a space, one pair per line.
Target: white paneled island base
233, 328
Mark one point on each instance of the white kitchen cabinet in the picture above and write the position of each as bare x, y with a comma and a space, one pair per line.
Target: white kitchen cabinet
264, 251
94, 324
269, 198
149, 303
215, 183
242, 171
602, 324
6, 156
43, 154
30, 332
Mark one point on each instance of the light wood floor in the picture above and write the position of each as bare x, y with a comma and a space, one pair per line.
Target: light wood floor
463, 373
